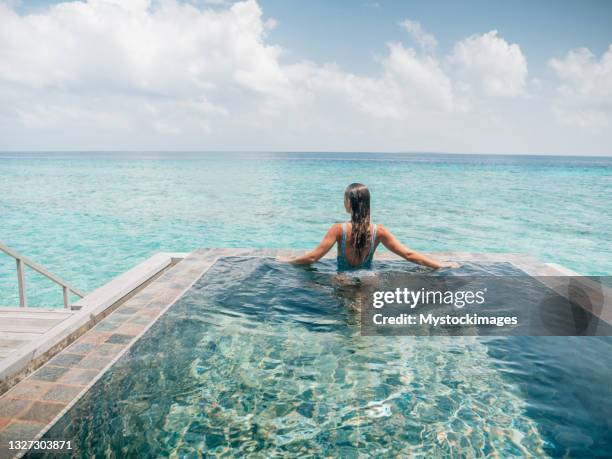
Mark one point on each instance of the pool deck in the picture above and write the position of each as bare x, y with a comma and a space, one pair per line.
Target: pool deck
21, 326
45, 382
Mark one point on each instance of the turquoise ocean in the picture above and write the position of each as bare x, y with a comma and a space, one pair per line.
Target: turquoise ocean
88, 217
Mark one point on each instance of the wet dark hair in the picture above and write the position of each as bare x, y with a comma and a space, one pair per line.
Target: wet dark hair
358, 196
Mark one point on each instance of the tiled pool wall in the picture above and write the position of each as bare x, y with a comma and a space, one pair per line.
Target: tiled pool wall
36, 403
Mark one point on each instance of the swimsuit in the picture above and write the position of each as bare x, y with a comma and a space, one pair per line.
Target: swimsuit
343, 264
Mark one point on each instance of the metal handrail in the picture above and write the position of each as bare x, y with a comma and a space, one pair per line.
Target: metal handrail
24, 261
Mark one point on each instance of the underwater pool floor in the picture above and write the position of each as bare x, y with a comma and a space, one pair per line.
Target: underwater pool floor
34, 404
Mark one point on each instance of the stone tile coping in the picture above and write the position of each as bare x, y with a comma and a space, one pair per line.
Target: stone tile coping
33, 405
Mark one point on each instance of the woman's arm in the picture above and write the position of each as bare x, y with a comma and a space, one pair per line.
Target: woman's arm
390, 242
324, 246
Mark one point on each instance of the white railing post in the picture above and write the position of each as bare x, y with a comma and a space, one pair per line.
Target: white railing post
23, 299
22, 262
66, 297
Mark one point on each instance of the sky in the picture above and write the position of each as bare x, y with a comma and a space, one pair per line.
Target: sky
516, 77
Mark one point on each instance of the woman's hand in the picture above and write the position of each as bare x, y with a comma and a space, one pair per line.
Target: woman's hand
282, 259
449, 264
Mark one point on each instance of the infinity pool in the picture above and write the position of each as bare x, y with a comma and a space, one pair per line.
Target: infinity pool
265, 359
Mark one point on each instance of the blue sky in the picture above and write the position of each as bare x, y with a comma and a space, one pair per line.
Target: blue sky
500, 77
345, 31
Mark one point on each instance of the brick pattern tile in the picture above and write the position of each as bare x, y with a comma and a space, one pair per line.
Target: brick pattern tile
78, 376
66, 359
49, 373
62, 393
107, 350
30, 389
95, 337
81, 348
13, 407
118, 338
42, 411
94, 362
131, 329
17, 430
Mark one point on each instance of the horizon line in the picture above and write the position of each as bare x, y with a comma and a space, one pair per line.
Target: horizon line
322, 152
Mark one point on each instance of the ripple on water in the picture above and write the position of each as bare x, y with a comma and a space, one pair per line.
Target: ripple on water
235, 367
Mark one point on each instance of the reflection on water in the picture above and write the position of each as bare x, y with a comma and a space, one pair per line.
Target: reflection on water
264, 359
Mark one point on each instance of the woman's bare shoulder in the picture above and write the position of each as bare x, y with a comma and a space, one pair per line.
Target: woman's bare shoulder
336, 228
382, 231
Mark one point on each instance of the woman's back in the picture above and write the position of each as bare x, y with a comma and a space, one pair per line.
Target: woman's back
348, 258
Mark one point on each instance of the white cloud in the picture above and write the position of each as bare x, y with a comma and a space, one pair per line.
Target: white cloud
420, 78
585, 93
425, 40
409, 84
488, 63
215, 2
168, 75
200, 61
130, 45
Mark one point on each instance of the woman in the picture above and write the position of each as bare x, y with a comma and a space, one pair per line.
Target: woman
357, 240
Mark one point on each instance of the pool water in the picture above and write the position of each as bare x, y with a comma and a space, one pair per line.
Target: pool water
89, 217
264, 359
